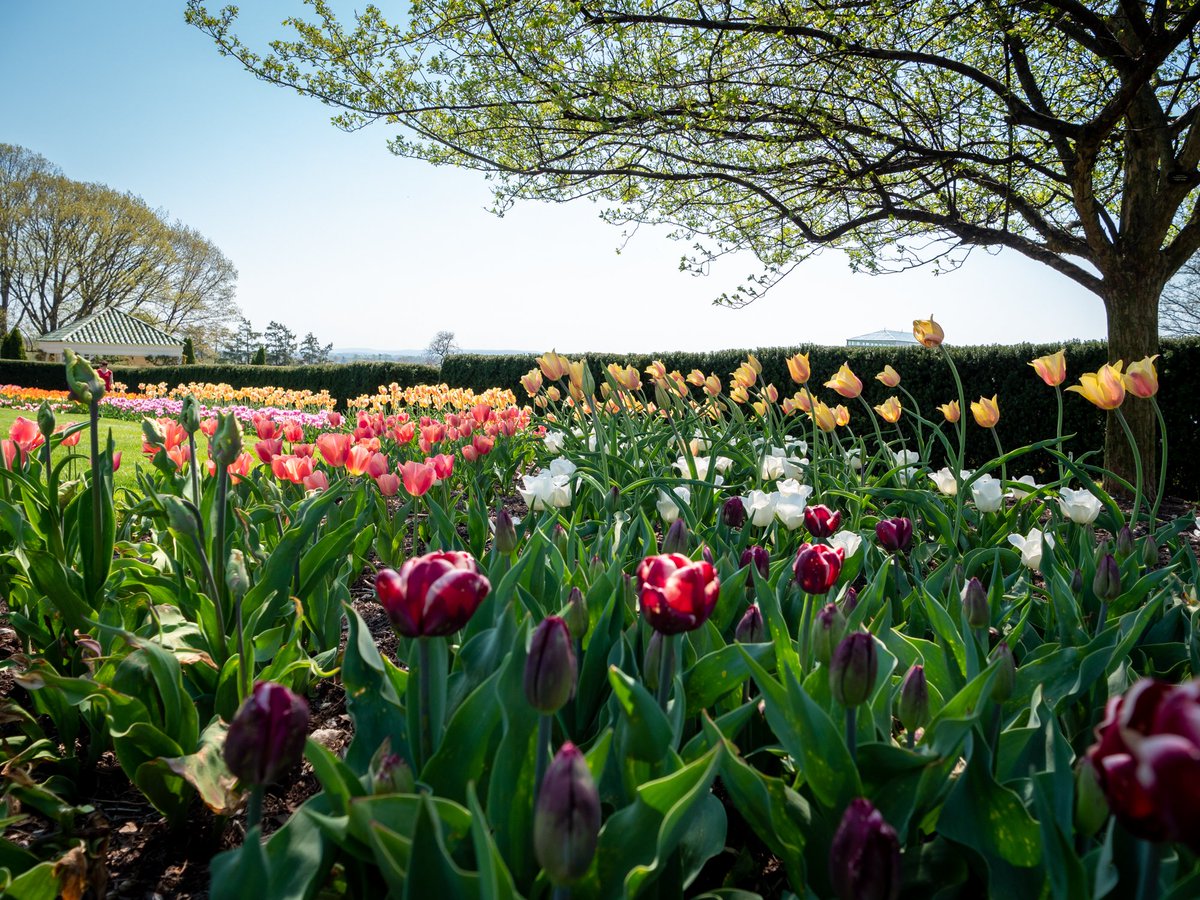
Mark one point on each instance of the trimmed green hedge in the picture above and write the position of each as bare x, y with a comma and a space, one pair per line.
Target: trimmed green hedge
1027, 406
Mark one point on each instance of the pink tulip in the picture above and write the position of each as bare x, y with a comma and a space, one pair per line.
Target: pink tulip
209, 426
116, 460
405, 433
377, 465
334, 419
24, 433
317, 481
10, 453
418, 477
357, 459
443, 465
265, 427
481, 413
388, 484
334, 447
293, 431
268, 448
482, 444
292, 468
302, 449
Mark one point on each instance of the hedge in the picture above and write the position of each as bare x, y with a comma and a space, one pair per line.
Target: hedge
1027, 406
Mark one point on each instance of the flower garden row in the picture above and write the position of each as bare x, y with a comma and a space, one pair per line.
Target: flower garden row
747, 639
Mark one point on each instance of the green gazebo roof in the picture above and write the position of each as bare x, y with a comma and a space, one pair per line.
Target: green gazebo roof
112, 331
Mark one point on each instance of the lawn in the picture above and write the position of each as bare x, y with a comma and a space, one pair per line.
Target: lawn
126, 435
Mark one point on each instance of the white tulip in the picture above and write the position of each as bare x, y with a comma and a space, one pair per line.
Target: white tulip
987, 493
545, 490
773, 468
854, 458
667, 508
944, 479
789, 509
848, 541
561, 467
1081, 507
554, 441
1019, 489
1030, 546
760, 507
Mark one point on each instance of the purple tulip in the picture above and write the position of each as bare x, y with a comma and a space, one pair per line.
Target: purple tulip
853, 669
864, 859
894, 535
566, 821
267, 735
550, 671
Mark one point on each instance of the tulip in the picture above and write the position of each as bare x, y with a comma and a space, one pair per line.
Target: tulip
817, 567
335, 447
928, 332
566, 820
267, 450
554, 366
532, 381
1141, 378
226, 443
820, 521
828, 630
389, 773
975, 604
432, 595
1125, 543
628, 378
506, 531
676, 538
988, 494
841, 415
733, 513
1081, 507
864, 858
545, 490
418, 477
388, 484
1030, 546
1107, 583
845, 382
1105, 387
853, 669
667, 508
266, 737
894, 535
890, 410
889, 377
846, 541
799, 368
550, 671
912, 706
750, 628
986, 412
945, 481
1006, 672
951, 411
757, 556
824, 417
676, 594
1051, 369
317, 481
575, 613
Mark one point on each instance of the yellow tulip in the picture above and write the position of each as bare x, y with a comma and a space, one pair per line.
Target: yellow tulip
888, 376
928, 332
1141, 378
712, 386
625, 376
951, 411
696, 377
890, 410
1104, 387
752, 362
532, 381
841, 415
845, 382
771, 393
744, 376
986, 412
799, 368
825, 417
554, 365
657, 370
738, 394
1052, 369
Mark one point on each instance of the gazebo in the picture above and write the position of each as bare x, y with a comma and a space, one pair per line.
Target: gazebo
883, 338
110, 332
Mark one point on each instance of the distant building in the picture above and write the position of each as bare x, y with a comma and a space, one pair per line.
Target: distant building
884, 338
110, 332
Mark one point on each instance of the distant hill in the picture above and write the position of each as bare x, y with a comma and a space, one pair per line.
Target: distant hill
369, 354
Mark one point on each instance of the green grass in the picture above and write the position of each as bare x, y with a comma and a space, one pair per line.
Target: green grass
127, 437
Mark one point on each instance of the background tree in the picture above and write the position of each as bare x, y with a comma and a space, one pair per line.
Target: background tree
1181, 301
440, 347
260, 357
313, 352
18, 167
904, 133
242, 342
198, 295
189, 352
280, 343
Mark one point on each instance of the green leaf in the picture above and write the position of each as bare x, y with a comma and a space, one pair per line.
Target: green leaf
722, 671
647, 732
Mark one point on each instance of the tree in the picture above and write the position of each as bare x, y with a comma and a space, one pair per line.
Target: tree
260, 357
440, 347
280, 343
1181, 301
189, 352
313, 352
17, 168
12, 346
905, 133
242, 343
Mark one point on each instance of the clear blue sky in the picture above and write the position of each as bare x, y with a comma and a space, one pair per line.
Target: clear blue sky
333, 234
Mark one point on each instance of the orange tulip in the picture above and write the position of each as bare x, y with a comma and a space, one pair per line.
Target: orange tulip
799, 368
554, 366
889, 377
334, 446
928, 332
890, 410
845, 382
1104, 387
951, 411
532, 381
1141, 378
986, 412
1051, 369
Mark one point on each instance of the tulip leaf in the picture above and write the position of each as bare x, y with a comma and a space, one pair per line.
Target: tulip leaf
466, 747
647, 732
435, 873
725, 670
242, 872
960, 713
943, 626
495, 881
205, 770
371, 698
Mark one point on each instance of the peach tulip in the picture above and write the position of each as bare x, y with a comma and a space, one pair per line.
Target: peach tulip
841, 415
388, 484
799, 368
1104, 387
825, 417
532, 381
695, 378
1052, 369
928, 332
317, 481
712, 386
986, 412
554, 366
889, 377
951, 411
418, 477
890, 410
845, 382
1141, 378
334, 446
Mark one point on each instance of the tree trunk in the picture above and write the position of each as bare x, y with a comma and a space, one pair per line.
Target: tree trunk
1132, 335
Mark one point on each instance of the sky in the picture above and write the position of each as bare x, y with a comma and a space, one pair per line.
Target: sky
333, 234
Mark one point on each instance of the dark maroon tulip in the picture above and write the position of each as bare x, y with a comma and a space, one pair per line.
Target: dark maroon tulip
267, 735
676, 538
849, 601
828, 629
853, 669
864, 859
894, 535
550, 671
733, 513
975, 604
1107, 583
759, 558
751, 629
432, 595
566, 822
912, 707
820, 521
706, 554
1147, 760
677, 594
817, 567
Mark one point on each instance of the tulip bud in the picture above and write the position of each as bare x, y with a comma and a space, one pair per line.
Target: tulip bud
751, 629
758, 557
912, 707
566, 821
828, 629
236, 576
1124, 543
575, 614
389, 773
45, 419
853, 668
975, 604
560, 538
589, 381
152, 432
1076, 581
82, 379
506, 531
1107, 583
1149, 552
226, 444
652, 661
180, 516
550, 670
1091, 806
733, 513
676, 538
612, 501
864, 858
1006, 675
189, 415
849, 601
267, 735
706, 554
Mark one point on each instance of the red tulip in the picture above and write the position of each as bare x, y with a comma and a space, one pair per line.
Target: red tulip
817, 567
821, 521
432, 595
293, 431
894, 535
334, 419
418, 477
335, 447
676, 594
264, 427
302, 449
209, 426
404, 434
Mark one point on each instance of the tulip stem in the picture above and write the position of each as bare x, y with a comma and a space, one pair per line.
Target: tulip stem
666, 670
1162, 465
1137, 469
425, 686
852, 731
1000, 453
254, 808
805, 635
543, 754
962, 442
1058, 432
1150, 859
1101, 616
